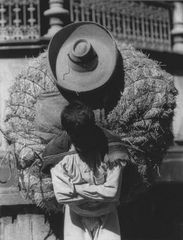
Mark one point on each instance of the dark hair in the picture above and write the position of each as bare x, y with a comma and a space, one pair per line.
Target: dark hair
78, 121
77, 117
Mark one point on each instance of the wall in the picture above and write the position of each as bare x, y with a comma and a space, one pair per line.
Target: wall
19, 219
26, 222
9, 68
178, 118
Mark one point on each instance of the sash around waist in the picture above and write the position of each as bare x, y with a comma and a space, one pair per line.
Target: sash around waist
93, 209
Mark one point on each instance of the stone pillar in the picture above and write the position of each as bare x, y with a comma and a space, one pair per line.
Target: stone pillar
177, 34
178, 118
177, 31
56, 14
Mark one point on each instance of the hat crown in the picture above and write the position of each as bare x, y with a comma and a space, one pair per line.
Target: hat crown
82, 56
81, 48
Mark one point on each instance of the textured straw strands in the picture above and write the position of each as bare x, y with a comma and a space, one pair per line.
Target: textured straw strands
142, 117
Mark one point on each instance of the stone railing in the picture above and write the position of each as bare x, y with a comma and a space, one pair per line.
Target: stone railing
19, 20
143, 24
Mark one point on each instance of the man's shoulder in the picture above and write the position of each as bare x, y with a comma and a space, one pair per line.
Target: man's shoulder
117, 150
61, 143
111, 136
58, 144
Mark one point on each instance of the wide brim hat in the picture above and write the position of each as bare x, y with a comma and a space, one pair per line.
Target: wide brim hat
82, 57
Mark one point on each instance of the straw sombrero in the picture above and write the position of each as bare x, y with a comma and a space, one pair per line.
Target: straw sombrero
82, 57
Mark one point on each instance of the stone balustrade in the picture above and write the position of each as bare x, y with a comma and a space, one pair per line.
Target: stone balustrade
19, 20
143, 24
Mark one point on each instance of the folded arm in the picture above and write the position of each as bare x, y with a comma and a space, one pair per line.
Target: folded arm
63, 186
69, 188
109, 191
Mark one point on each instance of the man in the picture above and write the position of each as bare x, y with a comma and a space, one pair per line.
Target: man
88, 179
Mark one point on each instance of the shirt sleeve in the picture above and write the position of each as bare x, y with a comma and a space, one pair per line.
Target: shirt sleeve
109, 191
117, 159
63, 185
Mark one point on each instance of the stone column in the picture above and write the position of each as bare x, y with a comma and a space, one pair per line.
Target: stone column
56, 14
177, 31
178, 118
177, 34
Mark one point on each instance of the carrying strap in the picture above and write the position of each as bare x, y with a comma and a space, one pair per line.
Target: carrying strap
116, 152
52, 160
59, 155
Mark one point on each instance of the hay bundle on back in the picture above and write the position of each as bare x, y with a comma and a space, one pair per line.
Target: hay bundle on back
142, 117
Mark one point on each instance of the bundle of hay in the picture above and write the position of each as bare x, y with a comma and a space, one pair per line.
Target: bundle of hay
142, 117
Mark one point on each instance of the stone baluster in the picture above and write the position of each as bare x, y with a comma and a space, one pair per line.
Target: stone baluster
93, 9
87, 13
114, 28
82, 10
98, 12
56, 14
124, 24
118, 22
142, 25
137, 25
134, 28
152, 27
17, 21
177, 32
103, 15
3, 31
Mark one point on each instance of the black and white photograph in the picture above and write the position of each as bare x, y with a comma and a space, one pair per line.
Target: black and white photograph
91, 120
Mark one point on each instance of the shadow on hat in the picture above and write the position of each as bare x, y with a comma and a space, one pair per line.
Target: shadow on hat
86, 64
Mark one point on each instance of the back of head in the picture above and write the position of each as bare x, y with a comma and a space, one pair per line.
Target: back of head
77, 118
78, 121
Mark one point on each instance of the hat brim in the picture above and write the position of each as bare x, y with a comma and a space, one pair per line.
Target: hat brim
103, 44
